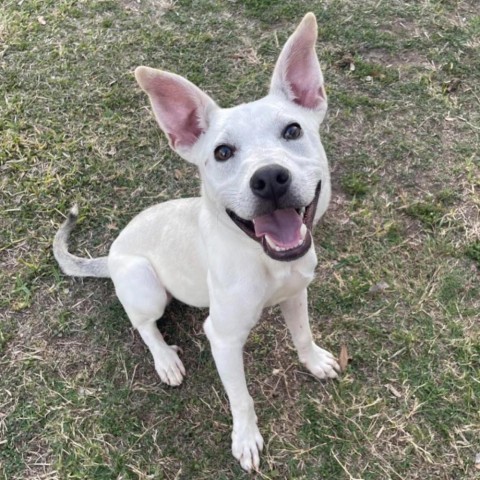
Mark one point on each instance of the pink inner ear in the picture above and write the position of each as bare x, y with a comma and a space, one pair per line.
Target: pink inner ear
188, 134
176, 107
304, 78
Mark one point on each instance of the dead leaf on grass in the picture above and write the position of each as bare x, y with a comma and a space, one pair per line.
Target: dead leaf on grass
41, 20
346, 62
393, 390
477, 461
343, 358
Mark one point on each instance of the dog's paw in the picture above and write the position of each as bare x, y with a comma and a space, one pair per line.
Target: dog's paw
246, 447
321, 363
169, 366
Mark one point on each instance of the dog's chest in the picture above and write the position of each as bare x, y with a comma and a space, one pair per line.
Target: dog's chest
288, 279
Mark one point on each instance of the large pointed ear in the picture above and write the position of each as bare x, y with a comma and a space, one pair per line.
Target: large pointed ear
182, 110
297, 74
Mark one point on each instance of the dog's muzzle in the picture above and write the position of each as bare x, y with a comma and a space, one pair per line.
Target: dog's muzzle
285, 233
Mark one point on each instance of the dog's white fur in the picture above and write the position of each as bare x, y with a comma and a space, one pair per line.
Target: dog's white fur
192, 250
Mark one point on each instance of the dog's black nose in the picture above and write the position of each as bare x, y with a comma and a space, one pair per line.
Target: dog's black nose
271, 182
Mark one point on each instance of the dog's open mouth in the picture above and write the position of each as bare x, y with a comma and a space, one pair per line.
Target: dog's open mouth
284, 234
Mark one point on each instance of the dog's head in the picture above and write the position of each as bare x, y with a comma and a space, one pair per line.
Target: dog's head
262, 162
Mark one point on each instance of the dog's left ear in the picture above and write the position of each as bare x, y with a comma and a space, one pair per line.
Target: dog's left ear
297, 74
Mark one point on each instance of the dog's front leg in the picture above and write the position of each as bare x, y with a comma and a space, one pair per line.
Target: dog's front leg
320, 362
227, 332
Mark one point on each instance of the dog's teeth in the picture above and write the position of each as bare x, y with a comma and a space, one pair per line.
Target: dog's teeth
277, 248
274, 246
302, 211
271, 243
303, 231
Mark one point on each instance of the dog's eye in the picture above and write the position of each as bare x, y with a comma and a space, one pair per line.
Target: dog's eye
292, 131
223, 152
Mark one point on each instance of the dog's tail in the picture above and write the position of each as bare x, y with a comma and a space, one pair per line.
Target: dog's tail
71, 264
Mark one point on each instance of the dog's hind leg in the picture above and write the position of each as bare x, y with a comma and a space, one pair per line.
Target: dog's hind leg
144, 299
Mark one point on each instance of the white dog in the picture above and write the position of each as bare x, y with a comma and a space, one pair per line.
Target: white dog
246, 243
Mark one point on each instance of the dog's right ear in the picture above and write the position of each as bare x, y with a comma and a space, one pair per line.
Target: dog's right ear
182, 110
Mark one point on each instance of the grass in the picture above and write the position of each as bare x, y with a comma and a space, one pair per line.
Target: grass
80, 398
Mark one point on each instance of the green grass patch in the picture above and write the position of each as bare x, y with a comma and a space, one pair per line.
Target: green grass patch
430, 214
356, 184
472, 251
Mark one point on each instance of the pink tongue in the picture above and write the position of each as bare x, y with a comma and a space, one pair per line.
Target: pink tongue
281, 226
